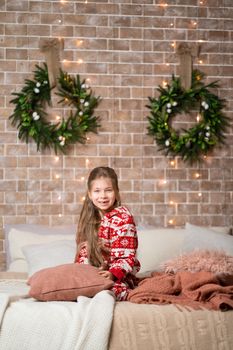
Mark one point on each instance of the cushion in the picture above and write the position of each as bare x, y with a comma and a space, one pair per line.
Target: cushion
66, 282
19, 235
156, 246
204, 238
214, 261
40, 256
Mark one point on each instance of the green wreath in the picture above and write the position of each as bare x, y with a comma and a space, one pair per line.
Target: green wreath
194, 143
30, 116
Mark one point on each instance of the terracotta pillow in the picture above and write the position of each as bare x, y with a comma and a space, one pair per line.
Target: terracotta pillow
66, 282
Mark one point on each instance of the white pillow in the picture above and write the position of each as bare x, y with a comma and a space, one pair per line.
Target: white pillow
18, 265
41, 256
156, 246
17, 236
198, 237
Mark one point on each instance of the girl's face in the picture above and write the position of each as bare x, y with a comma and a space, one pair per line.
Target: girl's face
102, 194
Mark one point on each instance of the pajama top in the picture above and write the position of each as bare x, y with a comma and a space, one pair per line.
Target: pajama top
118, 233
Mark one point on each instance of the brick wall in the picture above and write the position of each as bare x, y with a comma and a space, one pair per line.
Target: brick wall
125, 49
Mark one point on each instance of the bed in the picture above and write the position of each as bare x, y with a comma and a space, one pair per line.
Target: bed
97, 321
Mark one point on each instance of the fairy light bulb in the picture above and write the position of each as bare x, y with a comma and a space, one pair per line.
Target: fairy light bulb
194, 23
60, 215
56, 159
200, 61
164, 83
197, 175
83, 199
82, 178
198, 116
79, 42
57, 176
173, 44
87, 163
171, 222
80, 60
199, 194
172, 163
171, 202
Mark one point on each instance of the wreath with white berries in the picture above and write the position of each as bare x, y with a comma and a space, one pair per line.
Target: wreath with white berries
194, 143
30, 115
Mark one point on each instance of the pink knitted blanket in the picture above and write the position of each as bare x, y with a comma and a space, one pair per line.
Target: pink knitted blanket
193, 289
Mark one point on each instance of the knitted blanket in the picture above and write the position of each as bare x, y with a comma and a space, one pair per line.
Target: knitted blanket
196, 290
83, 325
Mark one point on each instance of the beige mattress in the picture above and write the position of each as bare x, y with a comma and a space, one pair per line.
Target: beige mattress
165, 327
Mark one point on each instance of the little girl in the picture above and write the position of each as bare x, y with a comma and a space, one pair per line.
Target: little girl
106, 236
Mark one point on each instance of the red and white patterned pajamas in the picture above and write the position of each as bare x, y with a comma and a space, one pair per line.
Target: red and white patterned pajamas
118, 233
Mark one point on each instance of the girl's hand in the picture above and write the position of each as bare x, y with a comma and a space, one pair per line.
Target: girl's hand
106, 274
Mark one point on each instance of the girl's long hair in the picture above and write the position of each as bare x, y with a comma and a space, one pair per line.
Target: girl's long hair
90, 218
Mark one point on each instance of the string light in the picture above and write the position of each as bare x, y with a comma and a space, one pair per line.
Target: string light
171, 222
87, 163
164, 4
198, 117
173, 162
199, 194
197, 175
173, 44
79, 42
200, 61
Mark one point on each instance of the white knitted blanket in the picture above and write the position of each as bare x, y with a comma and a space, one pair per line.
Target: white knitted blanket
28, 324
